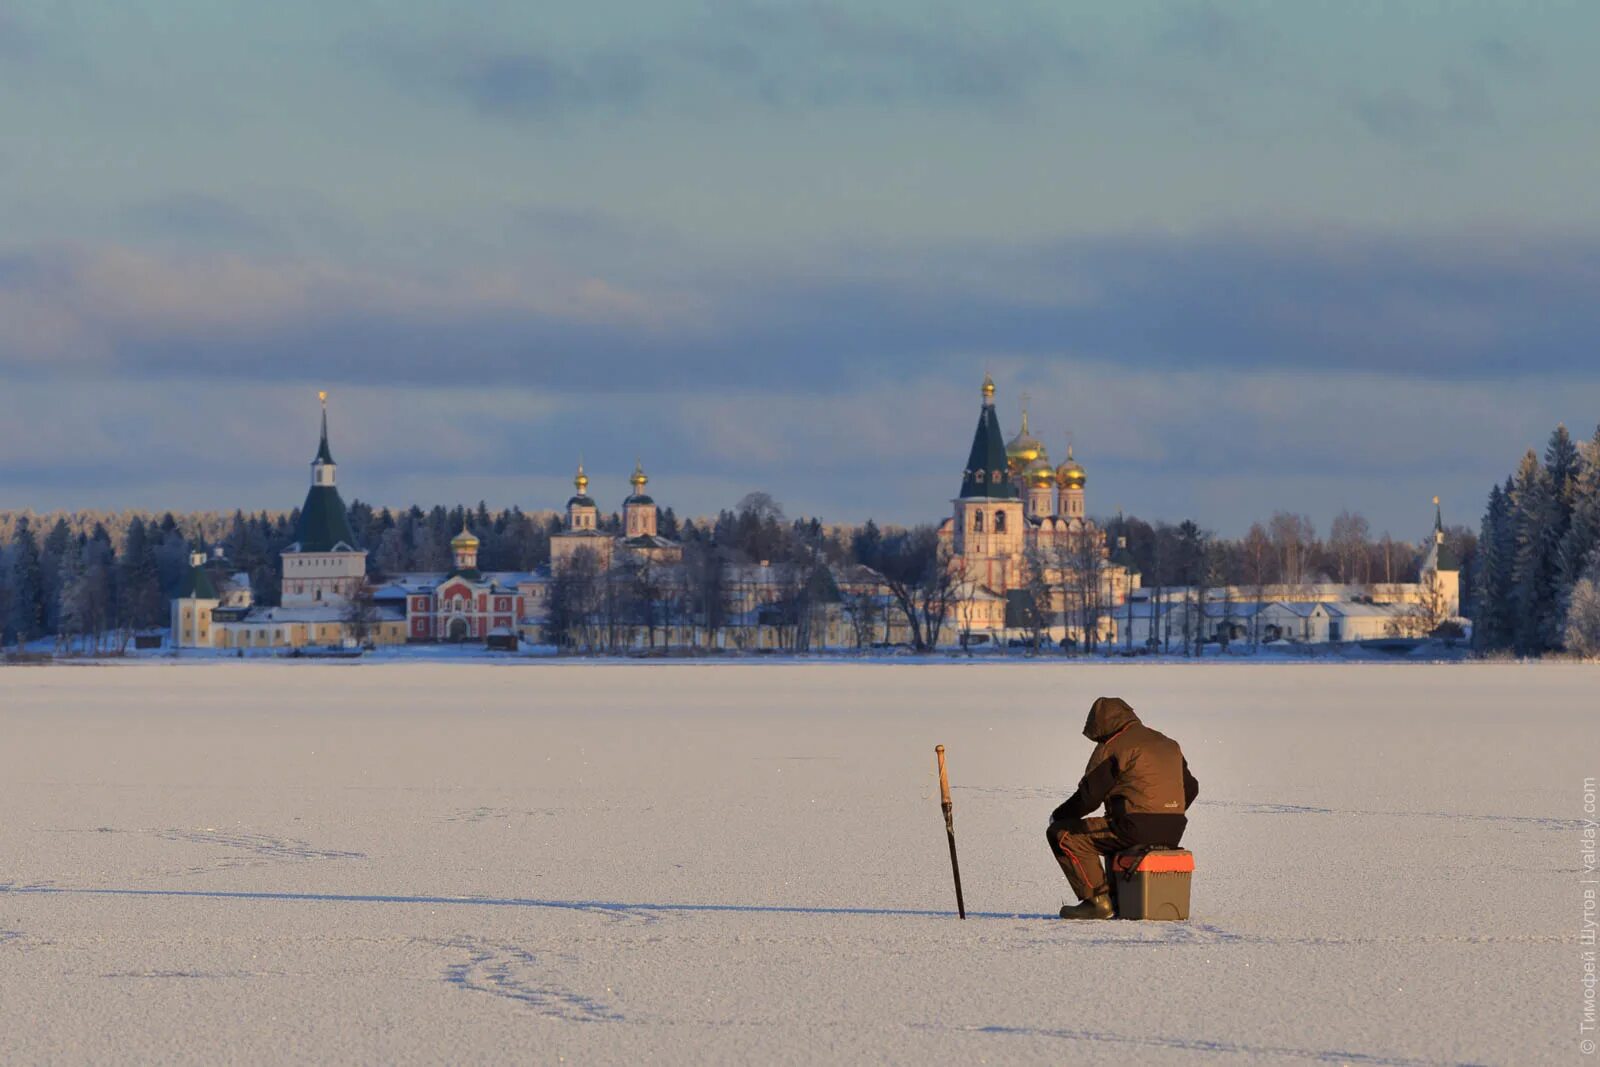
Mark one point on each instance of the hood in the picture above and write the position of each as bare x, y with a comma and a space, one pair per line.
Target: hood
1107, 715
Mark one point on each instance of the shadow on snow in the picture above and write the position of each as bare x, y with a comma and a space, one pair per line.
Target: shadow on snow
598, 906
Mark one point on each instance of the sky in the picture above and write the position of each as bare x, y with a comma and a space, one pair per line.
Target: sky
1248, 257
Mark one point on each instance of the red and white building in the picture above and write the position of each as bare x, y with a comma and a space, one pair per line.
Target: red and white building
466, 604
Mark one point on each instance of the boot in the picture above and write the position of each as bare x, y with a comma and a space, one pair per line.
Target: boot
1096, 907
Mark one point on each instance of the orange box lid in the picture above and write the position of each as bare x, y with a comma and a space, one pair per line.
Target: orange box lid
1179, 861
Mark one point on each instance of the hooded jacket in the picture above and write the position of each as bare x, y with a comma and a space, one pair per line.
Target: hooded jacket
1139, 774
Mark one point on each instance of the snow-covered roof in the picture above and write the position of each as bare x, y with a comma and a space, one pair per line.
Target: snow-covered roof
1361, 610
310, 614
399, 585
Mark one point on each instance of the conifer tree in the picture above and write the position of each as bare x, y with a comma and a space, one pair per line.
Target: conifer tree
1537, 514
69, 597
1491, 627
139, 600
1582, 538
27, 584
1561, 460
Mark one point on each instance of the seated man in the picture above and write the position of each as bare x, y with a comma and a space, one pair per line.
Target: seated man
1143, 780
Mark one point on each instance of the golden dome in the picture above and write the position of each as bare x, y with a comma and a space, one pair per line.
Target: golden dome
638, 478
464, 539
1039, 474
1024, 449
581, 480
1070, 474
988, 389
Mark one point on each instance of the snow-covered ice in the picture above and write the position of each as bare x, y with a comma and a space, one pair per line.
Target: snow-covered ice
686, 863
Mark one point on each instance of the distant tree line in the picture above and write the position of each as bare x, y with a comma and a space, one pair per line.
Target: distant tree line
78, 574
1537, 588
1285, 550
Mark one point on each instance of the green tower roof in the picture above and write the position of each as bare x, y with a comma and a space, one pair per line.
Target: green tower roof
323, 522
197, 583
986, 474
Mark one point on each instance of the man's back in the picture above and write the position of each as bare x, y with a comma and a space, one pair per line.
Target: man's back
1148, 798
1138, 773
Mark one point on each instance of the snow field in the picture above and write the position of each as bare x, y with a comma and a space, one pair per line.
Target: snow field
687, 863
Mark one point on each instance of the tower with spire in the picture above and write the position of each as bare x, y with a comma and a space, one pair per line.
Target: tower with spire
1022, 544
324, 566
1440, 567
987, 527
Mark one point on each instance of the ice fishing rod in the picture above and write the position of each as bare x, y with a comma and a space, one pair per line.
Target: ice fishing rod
949, 827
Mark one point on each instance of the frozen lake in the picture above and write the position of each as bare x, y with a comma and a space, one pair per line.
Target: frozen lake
746, 863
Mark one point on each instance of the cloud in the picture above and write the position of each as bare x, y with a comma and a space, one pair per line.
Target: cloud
199, 216
1509, 54
1325, 369
535, 85
1207, 31
1486, 305
17, 42
813, 55
822, 54
103, 310
1400, 116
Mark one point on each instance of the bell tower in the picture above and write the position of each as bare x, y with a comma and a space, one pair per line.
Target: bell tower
582, 514
639, 510
324, 566
988, 524
1070, 477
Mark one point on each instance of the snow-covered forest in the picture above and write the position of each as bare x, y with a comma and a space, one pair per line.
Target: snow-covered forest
1536, 584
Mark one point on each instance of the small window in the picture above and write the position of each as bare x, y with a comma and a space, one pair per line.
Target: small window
999, 522
977, 521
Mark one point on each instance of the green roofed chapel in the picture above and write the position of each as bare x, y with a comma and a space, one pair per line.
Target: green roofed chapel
323, 566
210, 594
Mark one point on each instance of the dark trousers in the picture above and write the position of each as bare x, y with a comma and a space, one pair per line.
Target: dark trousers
1078, 845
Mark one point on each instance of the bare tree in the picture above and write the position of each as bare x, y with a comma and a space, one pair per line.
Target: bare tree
1387, 545
1091, 565
647, 594
1292, 535
1348, 539
966, 599
1216, 562
1424, 615
917, 573
360, 615
705, 592
574, 602
1036, 584
861, 609
1258, 556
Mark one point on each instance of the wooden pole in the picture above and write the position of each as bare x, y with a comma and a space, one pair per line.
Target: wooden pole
949, 827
